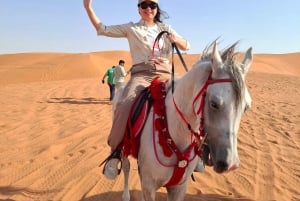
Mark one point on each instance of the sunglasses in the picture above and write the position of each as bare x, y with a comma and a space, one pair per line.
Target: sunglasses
145, 5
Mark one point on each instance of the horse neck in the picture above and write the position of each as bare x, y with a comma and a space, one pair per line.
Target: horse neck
185, 90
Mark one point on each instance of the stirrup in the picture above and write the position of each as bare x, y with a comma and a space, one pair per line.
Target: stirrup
110, 169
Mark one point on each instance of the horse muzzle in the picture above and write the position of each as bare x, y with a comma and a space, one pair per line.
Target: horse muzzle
224, 166
220, 165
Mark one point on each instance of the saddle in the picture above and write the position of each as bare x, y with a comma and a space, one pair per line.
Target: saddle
139, 112
138, 116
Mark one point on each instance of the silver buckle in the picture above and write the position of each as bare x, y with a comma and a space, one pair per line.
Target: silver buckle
182, 163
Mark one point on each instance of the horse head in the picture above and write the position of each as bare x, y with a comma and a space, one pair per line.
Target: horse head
225, 103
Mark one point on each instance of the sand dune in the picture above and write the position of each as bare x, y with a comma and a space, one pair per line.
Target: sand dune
55, 117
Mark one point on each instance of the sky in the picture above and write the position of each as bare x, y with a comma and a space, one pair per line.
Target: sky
268, 26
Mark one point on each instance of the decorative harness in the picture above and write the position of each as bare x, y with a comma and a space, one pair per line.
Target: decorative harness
158, 93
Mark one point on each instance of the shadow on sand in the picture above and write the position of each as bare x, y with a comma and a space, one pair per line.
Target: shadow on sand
26, 192
89, 100
135, 195
112, 196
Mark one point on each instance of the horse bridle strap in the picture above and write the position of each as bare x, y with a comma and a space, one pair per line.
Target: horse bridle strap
197, 138
200, 136
202, 91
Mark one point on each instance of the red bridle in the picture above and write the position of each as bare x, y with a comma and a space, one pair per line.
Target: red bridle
197, 137
201, 94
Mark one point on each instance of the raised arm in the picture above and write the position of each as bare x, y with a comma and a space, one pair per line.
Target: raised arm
91, 13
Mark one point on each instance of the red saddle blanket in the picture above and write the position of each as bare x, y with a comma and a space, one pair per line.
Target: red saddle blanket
138, 116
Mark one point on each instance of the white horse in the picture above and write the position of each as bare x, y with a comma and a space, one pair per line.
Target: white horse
218, 80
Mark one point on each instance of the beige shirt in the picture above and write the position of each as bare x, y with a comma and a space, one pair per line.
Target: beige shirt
119, 74
136, 34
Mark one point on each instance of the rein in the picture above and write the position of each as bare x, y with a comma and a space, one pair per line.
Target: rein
174, 46
160, 123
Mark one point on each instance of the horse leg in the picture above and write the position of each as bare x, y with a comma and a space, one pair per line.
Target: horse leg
148, 188
126, 169
177, 193
148, 195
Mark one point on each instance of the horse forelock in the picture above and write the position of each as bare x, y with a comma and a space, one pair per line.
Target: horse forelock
232, 67
238, 84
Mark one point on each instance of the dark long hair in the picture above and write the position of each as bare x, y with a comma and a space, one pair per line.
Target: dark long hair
160, 15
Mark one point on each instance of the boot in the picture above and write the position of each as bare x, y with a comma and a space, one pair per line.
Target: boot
113, 165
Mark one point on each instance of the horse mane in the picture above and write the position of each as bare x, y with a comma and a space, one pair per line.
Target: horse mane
233, 67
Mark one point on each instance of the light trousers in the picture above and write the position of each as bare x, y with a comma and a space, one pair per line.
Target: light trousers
141, 77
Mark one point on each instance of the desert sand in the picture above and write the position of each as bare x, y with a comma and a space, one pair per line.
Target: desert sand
55, 117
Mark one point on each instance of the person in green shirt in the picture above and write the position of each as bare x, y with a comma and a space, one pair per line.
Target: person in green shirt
110, 81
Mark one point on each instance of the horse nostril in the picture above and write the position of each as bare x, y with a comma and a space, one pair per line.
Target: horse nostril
221, 166
234, 167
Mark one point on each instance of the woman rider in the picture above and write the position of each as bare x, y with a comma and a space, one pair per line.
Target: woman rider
149, 60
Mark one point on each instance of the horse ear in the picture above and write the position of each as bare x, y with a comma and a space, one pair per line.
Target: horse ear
247, 61
216, 59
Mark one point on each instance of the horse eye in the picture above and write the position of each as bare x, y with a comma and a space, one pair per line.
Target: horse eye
214, 105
